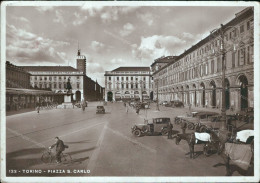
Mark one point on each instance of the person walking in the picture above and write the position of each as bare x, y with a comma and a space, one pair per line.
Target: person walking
38, 109
126, 109
169, 130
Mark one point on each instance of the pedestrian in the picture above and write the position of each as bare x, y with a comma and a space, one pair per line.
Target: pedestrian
137, 110
126, 109
59, 148
169, 130
183, 127
38, 109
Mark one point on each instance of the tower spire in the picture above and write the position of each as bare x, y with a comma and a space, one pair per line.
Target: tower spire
78, 49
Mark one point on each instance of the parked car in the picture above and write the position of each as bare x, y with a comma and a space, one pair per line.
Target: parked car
100, 110
164, 103
177, 103
246, 115
195, 117
151, 127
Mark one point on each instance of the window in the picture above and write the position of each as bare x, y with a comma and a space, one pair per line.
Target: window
238, 57
45, 85
122, 86
50, 78
55, 86
40, 78
122, 78
65, 86
109, 78
212, 66
127, 85
117, 78
55, 78
35, 77
59, 77
144, 86
45, 78
241, 29
77, 77
50, 85
242, 56
136, 85
233, 59
248, 54
248, 25
65, 78
40, 85
219, 64
77, 85
132, 86
60, 86
131, 78
126, 78
206, 69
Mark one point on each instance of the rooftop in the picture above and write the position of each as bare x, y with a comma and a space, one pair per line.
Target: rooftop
132, 69
50, 68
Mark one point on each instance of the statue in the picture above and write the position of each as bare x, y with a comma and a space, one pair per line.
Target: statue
69, 88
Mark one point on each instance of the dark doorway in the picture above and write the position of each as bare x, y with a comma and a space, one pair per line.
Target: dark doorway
151, 95
213, 97
243, 92
203, 94
227, 94
195, 95
109, 96
78, 96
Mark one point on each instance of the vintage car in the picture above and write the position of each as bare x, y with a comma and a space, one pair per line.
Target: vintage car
151, 127
100, 110
163, 103
195, 117
246, 115
175, 103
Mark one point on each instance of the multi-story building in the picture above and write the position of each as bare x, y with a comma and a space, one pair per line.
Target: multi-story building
55, 78
126, 83
195, 77
16, 77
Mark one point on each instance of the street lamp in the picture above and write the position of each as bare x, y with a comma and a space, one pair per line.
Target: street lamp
223, 57
157, 100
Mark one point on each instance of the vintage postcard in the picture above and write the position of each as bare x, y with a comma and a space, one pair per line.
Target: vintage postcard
129, 91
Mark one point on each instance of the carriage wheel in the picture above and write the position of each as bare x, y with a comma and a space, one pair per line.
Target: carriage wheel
203, 128
190, 126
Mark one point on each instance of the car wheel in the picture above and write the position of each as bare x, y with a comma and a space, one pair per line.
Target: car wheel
190, 126
137, 133
164, 131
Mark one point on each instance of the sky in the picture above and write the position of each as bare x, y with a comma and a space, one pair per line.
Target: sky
109, 36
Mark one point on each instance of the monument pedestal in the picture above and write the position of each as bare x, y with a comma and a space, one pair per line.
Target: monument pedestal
67, 102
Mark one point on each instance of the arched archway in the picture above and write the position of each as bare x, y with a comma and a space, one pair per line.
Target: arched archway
213, 94
227, 94
243, 92
109, 96
78, 96
202, 85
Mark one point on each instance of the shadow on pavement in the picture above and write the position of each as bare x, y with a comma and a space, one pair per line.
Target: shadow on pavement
79, 142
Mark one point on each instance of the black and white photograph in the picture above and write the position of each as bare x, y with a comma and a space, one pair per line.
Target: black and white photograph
129, 91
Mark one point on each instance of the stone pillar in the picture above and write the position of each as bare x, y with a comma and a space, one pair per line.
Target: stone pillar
105, 95
250, 96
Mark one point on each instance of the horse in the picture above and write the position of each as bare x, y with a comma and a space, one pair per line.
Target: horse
192, 140
230, 168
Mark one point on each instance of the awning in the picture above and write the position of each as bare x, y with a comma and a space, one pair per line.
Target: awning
22, 91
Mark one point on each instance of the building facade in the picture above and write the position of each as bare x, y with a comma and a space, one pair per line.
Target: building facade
16, 77
195, 77
127, 83
55, 78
